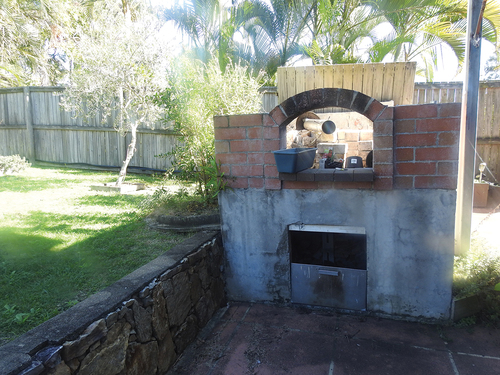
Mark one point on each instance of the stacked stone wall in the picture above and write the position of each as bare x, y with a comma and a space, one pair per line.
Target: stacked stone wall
144, 333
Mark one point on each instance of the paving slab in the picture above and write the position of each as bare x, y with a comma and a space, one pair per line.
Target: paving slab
247, 338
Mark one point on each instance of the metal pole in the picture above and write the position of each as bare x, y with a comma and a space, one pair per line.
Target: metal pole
468, 130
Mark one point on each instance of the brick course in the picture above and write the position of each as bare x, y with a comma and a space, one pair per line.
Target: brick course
415, 146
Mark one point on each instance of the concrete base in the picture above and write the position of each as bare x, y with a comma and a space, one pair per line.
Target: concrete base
410, 244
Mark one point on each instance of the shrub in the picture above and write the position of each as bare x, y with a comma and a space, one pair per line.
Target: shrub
12, 164
196, 94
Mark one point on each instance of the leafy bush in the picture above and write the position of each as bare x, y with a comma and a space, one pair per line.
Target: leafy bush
181, 202
12, 164
196, 94
478, 273
476, 270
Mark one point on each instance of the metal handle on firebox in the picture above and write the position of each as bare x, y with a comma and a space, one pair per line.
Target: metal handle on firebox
328, 272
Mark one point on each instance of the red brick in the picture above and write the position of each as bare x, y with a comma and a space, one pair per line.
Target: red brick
365, 146
271, 145
381, 142
449, 139
254, 133
353, 185
256, 183
438, 125
447, 168
272, 133
436, 153
383, 183
365, 136
382, 128
247, 170
352, 136
435, 182
352, 146
238, 183
268, 121
256, 158
425, 168
226, 133
415, 140
404, 154
245, 120
221, 122
403, 182
278, 116
382, 156
245, 146
374, 110
270, 171
226, 170
383, 169
273, 184
404, 126
233, 158
387, 114
415, 111
450, 109
300, 185
269, 158
221, 147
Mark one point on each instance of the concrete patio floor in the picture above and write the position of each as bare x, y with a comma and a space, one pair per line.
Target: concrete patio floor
247, 338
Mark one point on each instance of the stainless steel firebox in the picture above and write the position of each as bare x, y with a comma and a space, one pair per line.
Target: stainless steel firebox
328, 265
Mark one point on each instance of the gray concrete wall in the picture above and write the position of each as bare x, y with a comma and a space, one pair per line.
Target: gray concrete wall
409, 243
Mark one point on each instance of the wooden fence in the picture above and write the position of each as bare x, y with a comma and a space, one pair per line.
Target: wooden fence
33, 124
382, 81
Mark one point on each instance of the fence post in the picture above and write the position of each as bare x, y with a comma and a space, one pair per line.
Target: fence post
28, 118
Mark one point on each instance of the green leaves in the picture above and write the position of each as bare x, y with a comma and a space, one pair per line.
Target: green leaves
196, 93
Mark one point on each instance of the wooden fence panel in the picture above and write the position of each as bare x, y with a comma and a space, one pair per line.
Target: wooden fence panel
383, 81
62, 138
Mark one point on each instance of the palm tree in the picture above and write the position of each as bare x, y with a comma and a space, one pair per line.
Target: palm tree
421, 27
27, 29
278, 31
338, 29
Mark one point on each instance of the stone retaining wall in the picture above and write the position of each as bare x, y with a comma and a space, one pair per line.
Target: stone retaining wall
139, 325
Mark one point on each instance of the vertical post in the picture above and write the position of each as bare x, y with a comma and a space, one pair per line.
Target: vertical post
468, 130
28, 118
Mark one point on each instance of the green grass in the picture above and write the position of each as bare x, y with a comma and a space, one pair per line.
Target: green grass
61, 242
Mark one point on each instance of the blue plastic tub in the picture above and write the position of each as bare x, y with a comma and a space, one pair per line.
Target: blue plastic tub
294, 160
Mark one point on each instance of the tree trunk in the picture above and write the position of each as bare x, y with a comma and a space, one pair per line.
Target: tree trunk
130, 155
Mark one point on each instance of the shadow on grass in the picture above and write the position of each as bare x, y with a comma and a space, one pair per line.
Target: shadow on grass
37, 283
111, 200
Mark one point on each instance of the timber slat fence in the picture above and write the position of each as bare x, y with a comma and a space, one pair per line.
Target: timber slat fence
32, 124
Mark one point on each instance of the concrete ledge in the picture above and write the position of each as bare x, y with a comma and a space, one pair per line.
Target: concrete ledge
329, 175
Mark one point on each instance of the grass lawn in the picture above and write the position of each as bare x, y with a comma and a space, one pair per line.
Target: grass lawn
61, 242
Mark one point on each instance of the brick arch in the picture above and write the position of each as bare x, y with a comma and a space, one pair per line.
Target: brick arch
296, 105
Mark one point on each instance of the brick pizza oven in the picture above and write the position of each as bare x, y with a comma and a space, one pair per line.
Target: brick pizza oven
391, 236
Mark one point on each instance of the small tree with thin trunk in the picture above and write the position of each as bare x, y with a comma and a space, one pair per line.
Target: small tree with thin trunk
119, 65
